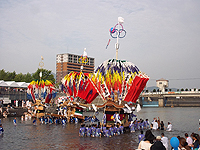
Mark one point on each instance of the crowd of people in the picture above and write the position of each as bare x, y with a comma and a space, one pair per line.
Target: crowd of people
156, 124
50, 120
150, 142
95, 130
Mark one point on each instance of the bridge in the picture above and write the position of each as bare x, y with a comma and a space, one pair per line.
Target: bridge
170, 99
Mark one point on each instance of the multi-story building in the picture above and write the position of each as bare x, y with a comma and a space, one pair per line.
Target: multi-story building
65, 63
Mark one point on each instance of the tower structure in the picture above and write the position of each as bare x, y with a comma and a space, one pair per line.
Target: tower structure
65, 63
162, 84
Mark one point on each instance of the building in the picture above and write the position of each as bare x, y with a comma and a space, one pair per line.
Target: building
162, 84
65, 63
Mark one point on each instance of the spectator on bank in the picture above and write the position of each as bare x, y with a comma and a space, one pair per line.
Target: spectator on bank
149, 138
196, 143
164, 140
158, 145
188, 139
183, 145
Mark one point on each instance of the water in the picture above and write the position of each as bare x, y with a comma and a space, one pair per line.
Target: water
27, 136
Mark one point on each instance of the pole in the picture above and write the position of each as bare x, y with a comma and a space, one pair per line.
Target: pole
117, 44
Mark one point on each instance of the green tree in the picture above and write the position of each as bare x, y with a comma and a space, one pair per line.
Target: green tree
46, 74
28, 78
3, 74
10, 76
186, 89
19, 78
177, 90
154, 90
182, 89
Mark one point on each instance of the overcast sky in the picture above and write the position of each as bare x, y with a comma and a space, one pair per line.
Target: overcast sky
162, 40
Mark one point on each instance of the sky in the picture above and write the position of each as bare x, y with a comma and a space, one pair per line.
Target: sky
162, 37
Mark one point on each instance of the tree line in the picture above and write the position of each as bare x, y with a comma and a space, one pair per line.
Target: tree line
13, 76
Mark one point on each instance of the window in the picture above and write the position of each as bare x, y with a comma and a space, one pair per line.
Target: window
75, 59
92, 61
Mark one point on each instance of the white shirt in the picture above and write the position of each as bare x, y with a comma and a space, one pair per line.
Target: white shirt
169, 127
164, 140
189, 140
155, 125
144, 145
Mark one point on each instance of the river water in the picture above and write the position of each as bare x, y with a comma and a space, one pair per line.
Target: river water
27, 136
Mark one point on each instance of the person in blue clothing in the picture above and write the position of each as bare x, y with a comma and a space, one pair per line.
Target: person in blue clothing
111, 130
50, 121
116, 118
107, 132
56, 121
117, 130
103, 129
141, 136
142, 124
131, 117
15, 122
132, 126
1, 129
82, 130
75, 120
34, 122
121, 127
88, 132
63, 122
136, 125
93, 130
104, 119
41, 120
71, 119
98, 132
46, 120
147, 124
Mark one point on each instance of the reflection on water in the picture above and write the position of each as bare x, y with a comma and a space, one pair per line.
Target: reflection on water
27, 136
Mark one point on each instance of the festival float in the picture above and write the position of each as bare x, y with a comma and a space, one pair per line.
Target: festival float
41, 91
117, 82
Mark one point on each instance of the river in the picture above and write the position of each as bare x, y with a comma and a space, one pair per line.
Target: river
27, 136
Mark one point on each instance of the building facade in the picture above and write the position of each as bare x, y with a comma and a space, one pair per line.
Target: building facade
65, 63
162, 84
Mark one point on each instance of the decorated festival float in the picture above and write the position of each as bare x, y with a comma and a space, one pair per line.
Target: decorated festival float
117, 82
41, 92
